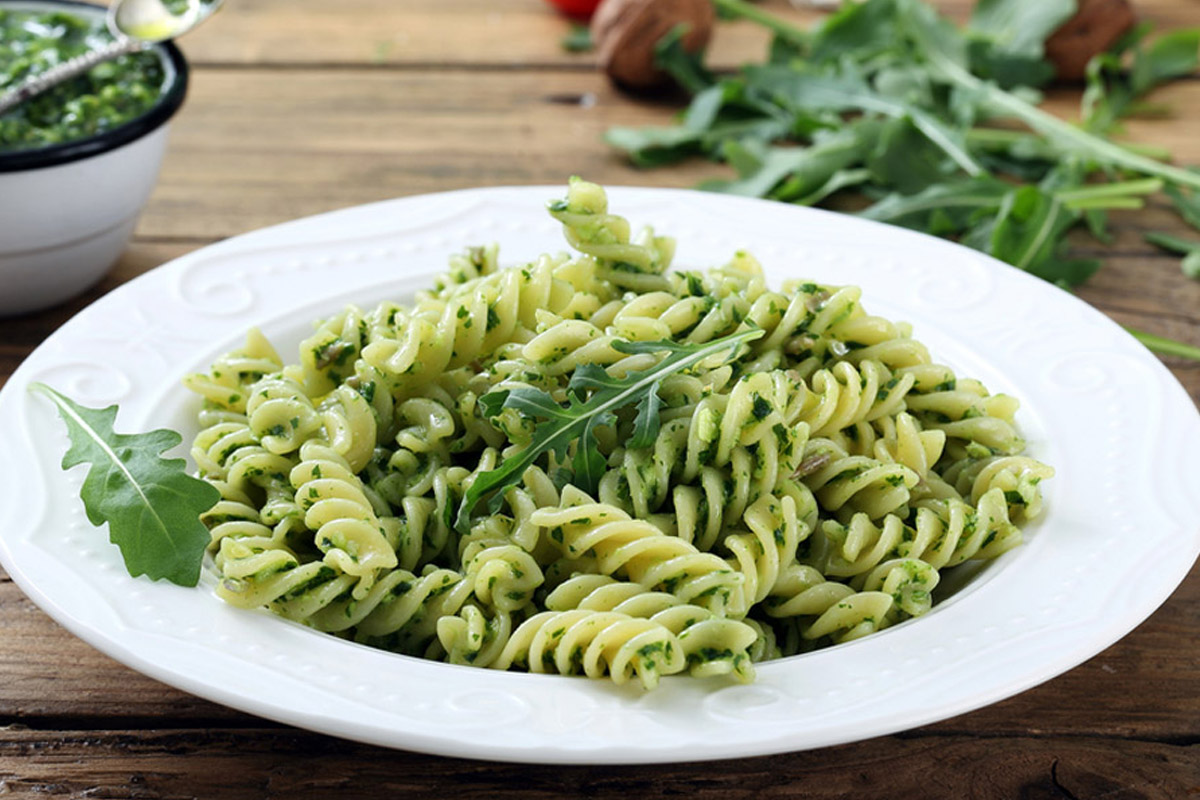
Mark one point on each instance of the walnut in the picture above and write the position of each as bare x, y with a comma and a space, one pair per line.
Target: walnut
1096, 26
626, 32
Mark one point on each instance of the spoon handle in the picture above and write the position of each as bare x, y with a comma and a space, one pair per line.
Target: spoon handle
66, 71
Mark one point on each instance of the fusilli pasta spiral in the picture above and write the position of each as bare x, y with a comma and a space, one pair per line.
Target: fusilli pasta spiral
809, 486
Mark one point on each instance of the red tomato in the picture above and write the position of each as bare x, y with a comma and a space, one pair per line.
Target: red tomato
575, 8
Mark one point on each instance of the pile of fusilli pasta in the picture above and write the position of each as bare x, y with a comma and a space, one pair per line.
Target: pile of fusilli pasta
806, 491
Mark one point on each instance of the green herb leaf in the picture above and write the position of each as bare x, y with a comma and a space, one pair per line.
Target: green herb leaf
1174, 244
578, 39
907, 159
686, 68
1114, 87
858, 31
594, 397
793, 191
739, 8
152, 506
1028, 233
806, 170
1188, 248
1020, 27
1173, 55
655, 146
960, 200
646, 424
1007, 39
1167, 347
1186, 203
1191, 265
814, 92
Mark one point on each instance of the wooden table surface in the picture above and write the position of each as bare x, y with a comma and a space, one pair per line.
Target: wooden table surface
299, 107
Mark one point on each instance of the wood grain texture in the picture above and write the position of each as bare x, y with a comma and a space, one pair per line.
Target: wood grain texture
259, 146
271, 763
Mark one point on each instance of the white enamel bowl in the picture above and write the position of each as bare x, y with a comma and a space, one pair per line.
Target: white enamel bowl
68, 210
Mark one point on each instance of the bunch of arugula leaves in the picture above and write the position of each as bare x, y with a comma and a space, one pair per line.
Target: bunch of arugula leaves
937, 127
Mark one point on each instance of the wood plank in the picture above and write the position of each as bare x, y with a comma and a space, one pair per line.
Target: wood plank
50, 677
473, 32
257, 146
248, 765
1141, 687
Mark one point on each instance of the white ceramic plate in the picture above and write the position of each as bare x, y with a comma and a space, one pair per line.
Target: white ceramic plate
1120, 531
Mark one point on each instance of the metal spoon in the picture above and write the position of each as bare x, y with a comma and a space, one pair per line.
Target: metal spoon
136, 24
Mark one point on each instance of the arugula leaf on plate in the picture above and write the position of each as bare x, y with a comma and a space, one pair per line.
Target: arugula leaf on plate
593, 398
151, 504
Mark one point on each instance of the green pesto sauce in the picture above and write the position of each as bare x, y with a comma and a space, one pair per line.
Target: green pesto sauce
106, 97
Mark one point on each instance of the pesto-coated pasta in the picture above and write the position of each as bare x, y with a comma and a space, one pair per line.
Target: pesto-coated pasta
807, 485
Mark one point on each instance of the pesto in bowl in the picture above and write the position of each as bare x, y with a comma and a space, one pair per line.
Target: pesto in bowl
109, 95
